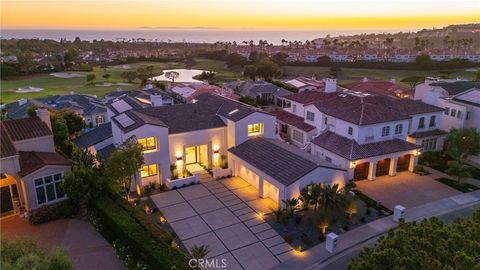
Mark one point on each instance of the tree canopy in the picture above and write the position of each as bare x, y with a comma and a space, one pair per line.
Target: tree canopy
462, 143
428, 245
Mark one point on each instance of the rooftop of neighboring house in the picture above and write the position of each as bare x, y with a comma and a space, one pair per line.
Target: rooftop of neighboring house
471, 97
191, 91
302, 81
292, 119
25, 128
255, 88
134, 99
456, 87
205, 113
351, 150
385, 88
32, 161
95, 136
273, 156
363, 109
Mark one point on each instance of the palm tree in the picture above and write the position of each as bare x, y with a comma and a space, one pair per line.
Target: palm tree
199, 252
278, 214
291, 205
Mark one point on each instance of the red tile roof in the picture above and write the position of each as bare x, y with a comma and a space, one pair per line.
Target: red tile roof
293, 120
379, 87
305, 97
351, 150
32, 161
26, 128
428, 133
7, 148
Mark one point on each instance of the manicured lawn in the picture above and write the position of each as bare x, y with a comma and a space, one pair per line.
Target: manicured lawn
465, 187
56, 86
223, 74
352, 74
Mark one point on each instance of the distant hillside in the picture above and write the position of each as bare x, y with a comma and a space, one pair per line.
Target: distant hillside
452, 36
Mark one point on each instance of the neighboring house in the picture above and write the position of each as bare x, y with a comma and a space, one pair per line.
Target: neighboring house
98, 140
306, 84
188, 92
370, 135
31, 171
384, 88
148, 96
442, 88
264, 92
89, 107
211, 131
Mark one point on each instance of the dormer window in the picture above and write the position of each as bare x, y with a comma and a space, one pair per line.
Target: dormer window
255, 129
310, 116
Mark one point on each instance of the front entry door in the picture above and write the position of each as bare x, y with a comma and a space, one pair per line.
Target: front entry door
196, 154
6, 200
191, 155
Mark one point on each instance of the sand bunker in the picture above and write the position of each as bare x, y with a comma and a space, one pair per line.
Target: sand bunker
105, 84
29, 89
66, 75
124, 84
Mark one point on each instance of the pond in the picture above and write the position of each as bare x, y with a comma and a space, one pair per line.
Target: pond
185, 75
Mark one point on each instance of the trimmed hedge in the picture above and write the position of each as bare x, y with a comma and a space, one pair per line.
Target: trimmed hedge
123, 223
464, 187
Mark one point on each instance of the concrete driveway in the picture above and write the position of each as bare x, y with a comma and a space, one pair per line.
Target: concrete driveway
225, 216
407, 189
85, 246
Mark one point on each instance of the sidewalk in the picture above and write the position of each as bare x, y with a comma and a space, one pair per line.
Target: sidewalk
317, 255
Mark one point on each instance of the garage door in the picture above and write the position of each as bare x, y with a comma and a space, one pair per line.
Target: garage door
361, 171
383, 166
270, 191
247, 175
403, 163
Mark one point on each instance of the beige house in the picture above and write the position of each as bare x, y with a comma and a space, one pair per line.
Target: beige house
31, 170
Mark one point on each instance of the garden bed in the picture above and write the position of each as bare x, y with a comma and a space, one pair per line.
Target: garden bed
465, 187
303, 231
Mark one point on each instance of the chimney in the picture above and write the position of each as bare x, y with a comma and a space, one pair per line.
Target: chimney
44, 115
393, 81
365, 79
156, 100
330, 85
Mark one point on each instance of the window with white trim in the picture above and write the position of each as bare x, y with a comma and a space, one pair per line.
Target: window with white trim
310, 116
48, 188
255, 129
429, 144
100, 119
297, 136
421, 122
350, 130
453, 112
447, 111
148, 144
294, 108
432, 121
148, 170
385, 131
399, 129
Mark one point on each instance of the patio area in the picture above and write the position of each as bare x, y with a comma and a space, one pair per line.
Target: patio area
407, 189
227, 216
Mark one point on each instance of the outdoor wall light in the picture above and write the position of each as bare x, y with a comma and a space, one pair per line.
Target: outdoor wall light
216, 151
353, 164
179, 158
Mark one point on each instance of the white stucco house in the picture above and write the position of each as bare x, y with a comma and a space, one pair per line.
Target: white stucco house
31, 170
214, 130
369, 135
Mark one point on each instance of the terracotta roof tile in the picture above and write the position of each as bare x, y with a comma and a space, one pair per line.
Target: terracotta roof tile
293, 120
379, 87
26, 128
428, 133
7, 148
32, 161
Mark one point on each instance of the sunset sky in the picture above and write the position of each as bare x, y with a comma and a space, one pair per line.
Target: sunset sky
251, 14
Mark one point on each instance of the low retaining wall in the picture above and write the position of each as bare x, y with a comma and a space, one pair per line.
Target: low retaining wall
219, 172
178, 183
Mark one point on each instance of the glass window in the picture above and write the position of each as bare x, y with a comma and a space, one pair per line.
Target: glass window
148, 170
350, 130
385, 131
459, 114
399, 129
429, 144
453, 112
432, 121
148, 143
294, 108
254, 129
467, 116
297, 136
49, 188
326, 120
100, 120
421, 122
447, 111
310, 116
328, 159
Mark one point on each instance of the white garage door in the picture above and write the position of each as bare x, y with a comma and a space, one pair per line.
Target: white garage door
247, 175
270, 191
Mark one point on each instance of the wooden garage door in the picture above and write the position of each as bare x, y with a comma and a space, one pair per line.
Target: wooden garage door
403, 163
383, 166
361, 171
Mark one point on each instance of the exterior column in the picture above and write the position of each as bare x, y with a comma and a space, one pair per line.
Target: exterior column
393, 167
372, 169
260, 187
413, 162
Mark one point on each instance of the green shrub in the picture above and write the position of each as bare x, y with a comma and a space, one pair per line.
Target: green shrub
420, 170
139, 233
64, 209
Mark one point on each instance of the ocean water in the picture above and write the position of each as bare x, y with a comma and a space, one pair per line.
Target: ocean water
177, 35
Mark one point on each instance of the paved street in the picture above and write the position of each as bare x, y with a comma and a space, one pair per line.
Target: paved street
87, 248
407, 189
225, 216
